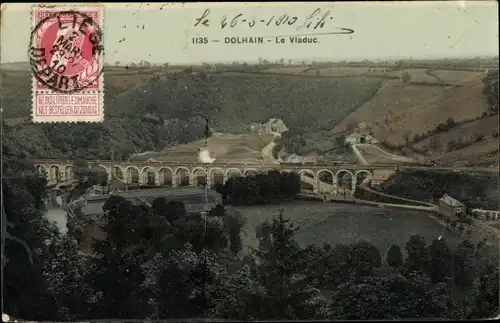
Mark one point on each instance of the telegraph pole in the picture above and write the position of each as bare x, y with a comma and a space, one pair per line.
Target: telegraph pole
205, 260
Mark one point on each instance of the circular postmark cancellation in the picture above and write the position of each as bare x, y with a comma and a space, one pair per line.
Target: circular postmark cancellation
65, 51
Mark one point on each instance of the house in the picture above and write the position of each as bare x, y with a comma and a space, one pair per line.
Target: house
487, 214
450, 207
256, 127
360, 138
273, 126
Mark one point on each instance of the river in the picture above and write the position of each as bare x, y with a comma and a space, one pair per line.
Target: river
56, 214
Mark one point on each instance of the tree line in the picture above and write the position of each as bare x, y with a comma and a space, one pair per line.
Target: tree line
262, 188
158, 261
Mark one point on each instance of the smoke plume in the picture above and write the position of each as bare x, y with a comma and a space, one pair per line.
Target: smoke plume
204, 156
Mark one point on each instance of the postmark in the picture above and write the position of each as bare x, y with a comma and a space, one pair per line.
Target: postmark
67, 58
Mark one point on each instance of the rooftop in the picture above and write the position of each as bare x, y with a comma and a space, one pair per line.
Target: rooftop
358, 135
167, 192
192, 197
451, 201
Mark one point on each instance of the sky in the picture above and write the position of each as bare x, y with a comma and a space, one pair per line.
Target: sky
135, 32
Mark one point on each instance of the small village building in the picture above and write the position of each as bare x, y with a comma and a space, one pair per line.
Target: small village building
193, 198
360, 138
274, 126
450, 207
487, 214
86, 216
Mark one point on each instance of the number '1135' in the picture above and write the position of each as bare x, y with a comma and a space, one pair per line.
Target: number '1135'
199, 40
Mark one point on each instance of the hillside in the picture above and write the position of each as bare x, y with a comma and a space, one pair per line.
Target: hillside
226, 147
170, 110
434, 121
477, 190
438, 113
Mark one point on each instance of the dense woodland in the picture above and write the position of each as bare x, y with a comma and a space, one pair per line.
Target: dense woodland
261, 188
476, 190
159, 262
172, 110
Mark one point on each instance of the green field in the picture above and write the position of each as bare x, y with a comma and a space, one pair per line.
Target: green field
341, 223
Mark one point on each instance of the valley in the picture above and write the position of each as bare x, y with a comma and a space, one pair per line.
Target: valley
406, 116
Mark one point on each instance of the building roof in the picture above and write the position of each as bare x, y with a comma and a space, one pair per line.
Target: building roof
192, 197
358, 135
451, 201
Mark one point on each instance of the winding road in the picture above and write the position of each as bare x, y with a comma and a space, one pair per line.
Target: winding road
362, 159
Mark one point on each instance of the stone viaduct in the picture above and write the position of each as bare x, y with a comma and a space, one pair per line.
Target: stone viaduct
324, 178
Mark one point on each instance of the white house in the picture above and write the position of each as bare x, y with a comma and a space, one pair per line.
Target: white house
360, 138
274, 126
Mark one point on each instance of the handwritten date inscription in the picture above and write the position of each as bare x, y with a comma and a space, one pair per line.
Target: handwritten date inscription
317, 20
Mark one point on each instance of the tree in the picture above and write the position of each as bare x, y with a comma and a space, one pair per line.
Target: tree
364, 258
405, 78
418, 257
441, 257
117, 276
25, 235
174, 281
464, 264
64, 270
340, 141
386, 297
289, 294
406, 137
394, 257
87, 176
233, 223
450, 123
160, 207
435, 143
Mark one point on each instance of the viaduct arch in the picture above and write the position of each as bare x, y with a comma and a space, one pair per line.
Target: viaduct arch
320, 179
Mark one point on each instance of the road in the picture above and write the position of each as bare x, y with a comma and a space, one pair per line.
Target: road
267, 153
362, 159
359, 155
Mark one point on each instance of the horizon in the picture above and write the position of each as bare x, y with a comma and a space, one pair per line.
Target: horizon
307, 61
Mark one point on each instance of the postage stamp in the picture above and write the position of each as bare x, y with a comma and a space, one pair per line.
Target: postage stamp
66, 58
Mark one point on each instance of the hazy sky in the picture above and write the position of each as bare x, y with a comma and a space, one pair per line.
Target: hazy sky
134, 32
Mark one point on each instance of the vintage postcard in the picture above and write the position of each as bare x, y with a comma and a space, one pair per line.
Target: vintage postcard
250, 161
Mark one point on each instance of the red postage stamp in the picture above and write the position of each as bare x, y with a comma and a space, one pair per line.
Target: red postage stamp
67, 59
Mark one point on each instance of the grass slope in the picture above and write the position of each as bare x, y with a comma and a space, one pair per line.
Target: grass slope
228, 147
336, 223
